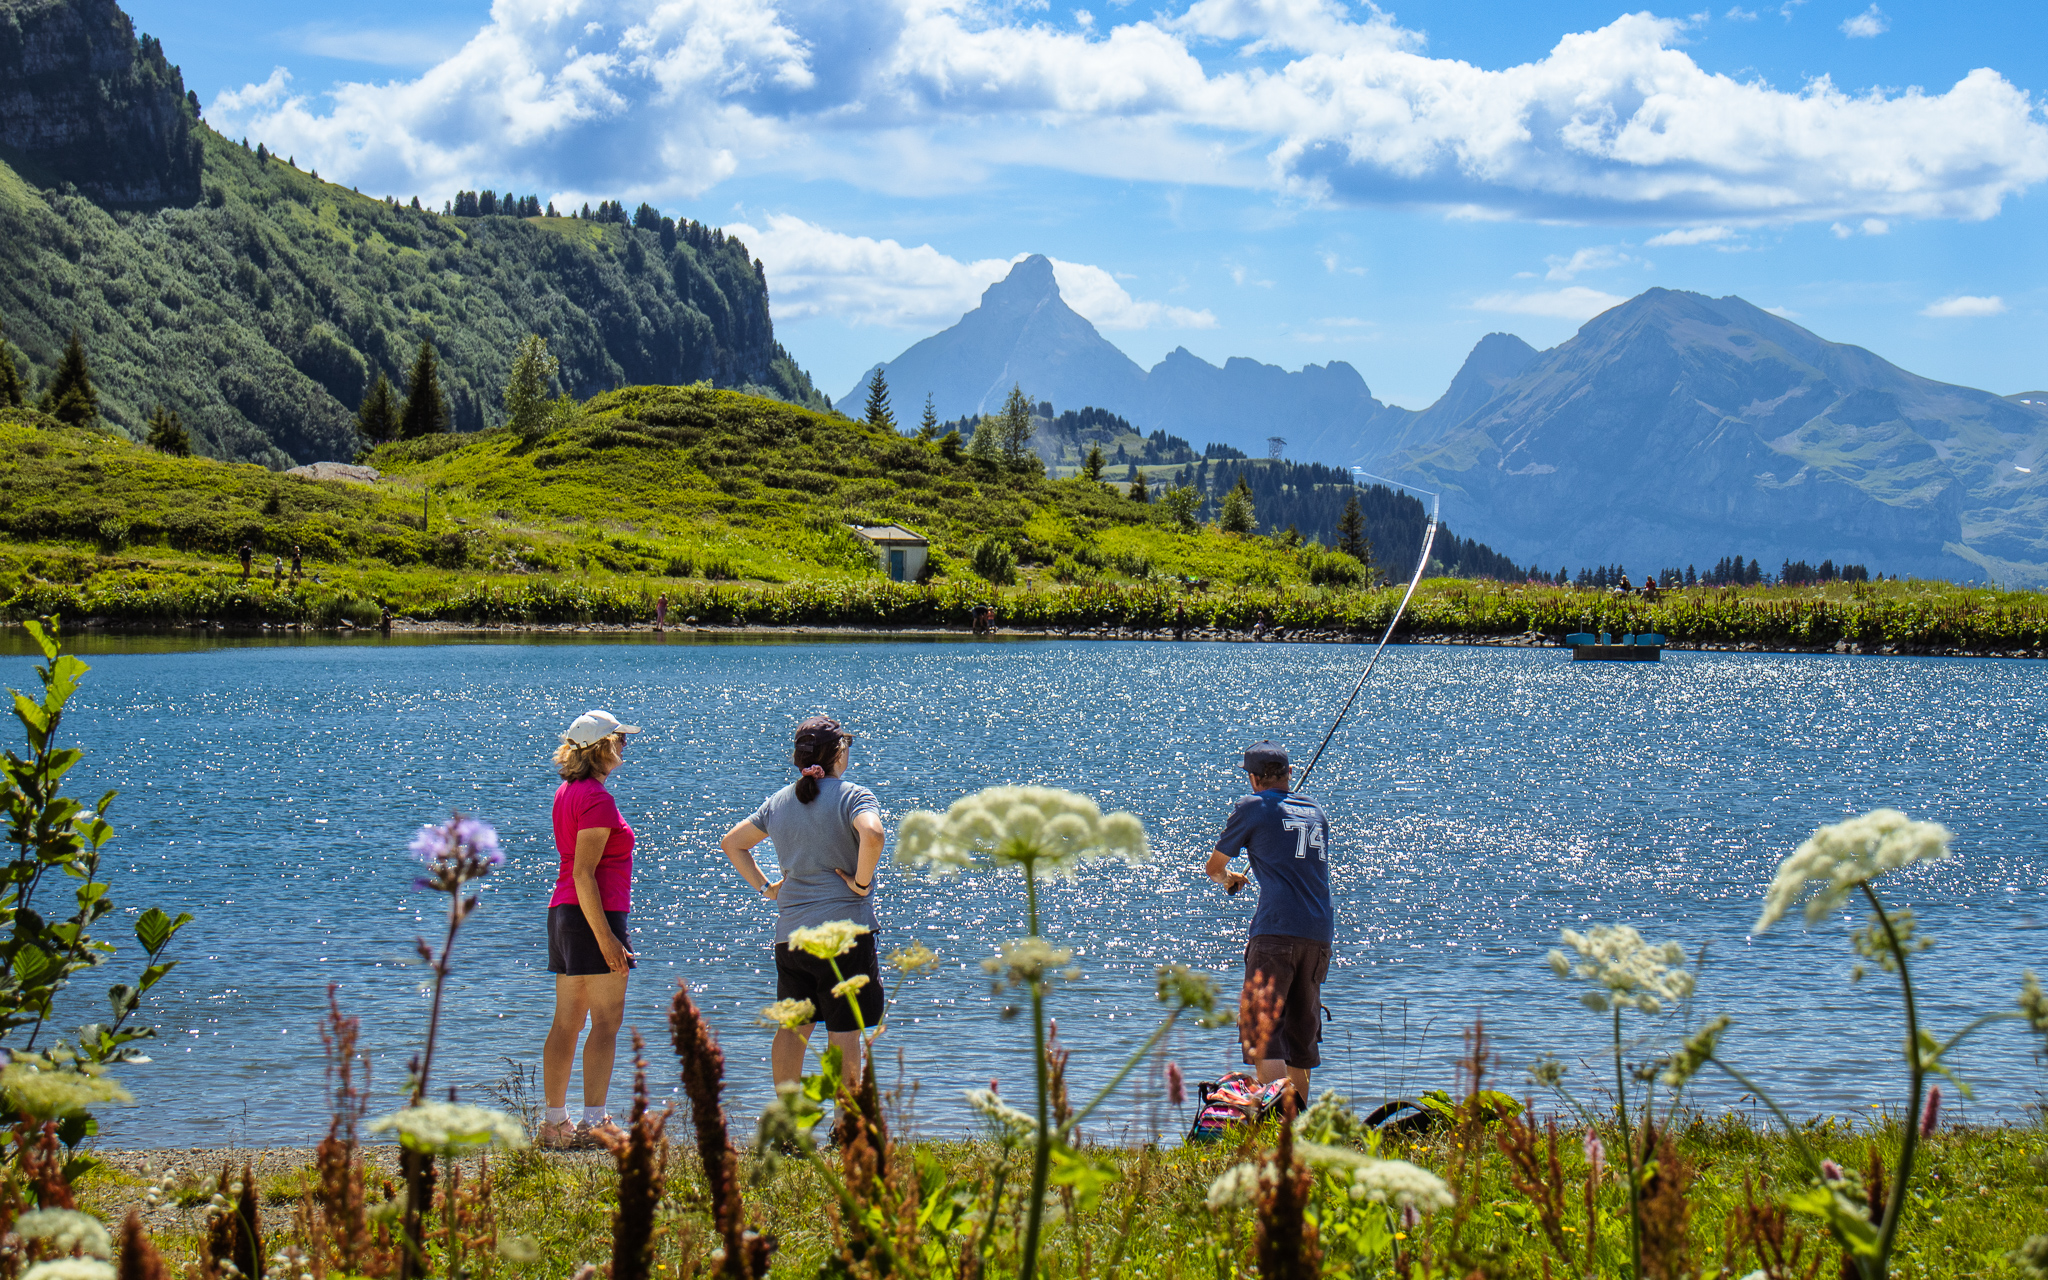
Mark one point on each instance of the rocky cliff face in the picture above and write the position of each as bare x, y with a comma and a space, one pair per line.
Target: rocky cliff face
84, 102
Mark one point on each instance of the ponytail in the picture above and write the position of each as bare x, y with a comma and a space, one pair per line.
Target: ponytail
818, 743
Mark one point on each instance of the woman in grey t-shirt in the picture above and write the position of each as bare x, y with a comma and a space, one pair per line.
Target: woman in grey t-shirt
828, 843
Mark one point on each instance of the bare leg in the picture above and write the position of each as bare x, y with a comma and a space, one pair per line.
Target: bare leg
558, 1052
1271, 1069
848, 1044
786, 1055
607, 1011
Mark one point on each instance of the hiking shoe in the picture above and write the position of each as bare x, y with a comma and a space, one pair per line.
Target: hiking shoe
558, 1136
590, 1136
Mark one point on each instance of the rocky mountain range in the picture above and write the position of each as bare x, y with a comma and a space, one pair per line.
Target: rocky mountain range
1672, 429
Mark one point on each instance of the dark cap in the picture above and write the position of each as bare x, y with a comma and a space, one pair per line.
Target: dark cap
821, 732
1264, 757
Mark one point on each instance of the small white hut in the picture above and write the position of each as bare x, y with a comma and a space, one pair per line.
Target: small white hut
900, 552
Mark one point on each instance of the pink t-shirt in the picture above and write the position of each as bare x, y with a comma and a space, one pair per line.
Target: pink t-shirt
578, 807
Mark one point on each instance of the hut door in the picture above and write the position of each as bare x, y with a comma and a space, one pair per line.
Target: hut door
896, 565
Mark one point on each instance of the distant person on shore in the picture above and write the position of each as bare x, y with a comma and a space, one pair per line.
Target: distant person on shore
298, 564
277, 570
1626, 589
248, 554
1287, 840
828, 843
1180, 621
588, 951
661, 612
1650, 588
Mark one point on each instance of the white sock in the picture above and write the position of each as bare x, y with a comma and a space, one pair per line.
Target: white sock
594, 1115
558, 1115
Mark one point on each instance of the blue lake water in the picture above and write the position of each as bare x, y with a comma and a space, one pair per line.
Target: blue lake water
1479, 800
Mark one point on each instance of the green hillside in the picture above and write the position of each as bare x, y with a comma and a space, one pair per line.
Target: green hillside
263, 311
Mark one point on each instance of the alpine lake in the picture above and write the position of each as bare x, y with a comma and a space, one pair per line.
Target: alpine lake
1480, 799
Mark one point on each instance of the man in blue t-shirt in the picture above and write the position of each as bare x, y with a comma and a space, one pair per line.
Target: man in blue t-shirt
1287, 840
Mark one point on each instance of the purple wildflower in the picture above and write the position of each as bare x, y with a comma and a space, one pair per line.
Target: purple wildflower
1176, 1087
430, 845
481, 838
1596, 1153
462, 850
1830, 1171
1932, 1116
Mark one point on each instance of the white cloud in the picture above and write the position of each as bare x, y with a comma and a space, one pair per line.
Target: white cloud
1963, 305
1842, 232
1575, 302
412, 48
1598, 258
1867, 24
813, 270
1740, 14
1783, 313
1876, 227
670, 97
1689, 235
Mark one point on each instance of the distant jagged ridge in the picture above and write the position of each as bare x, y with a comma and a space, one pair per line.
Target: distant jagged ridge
262, 307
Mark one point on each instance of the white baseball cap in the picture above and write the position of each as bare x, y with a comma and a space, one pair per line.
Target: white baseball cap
596, 726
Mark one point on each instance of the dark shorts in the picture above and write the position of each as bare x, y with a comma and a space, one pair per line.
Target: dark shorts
1295, 969
799, 975
572, 947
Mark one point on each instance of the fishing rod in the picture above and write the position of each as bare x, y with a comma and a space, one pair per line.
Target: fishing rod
1421, 563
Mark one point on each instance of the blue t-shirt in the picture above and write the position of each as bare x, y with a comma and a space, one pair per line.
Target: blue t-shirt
1288, 841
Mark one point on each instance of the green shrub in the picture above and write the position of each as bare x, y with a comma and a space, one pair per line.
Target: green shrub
995, 560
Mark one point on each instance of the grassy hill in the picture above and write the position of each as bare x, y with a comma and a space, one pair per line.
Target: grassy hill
263, 311
735, 506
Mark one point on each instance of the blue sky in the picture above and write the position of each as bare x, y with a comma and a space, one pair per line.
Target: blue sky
1293, 180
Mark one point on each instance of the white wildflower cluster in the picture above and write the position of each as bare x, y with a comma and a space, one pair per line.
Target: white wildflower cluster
2031, 1258
1024, 962
1698, 1050
50, 1091
914, 959
1043, 827
789, 1014
290, 1263
1239, 1186
520, 1249
1846, 855
451, 1129
1394, 1182
846, 989
70, 1269
1628, 972
66, 1231
830, 940
1009, 1122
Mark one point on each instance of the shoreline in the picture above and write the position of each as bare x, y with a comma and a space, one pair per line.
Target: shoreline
412, 628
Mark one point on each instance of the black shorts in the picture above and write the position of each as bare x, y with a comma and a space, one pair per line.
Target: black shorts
1295, 968
799, 975
572, 947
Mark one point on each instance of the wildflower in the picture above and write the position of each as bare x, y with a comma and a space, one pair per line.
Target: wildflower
1629, 972
460, 851
1846, 855
452, 1128
1036, 827
1932, 1115
67, 1231
789, 1014
1698, 1051
828, 941
846, 989
70, 1269
56, 1093
1237, 1188
2034, 1003
1548, 1072
1010, 1123
1026, 962
913, 959
1394, 1182
1596, 1154
2032, 1258
521, 1249
1176, 1087
1831, 1172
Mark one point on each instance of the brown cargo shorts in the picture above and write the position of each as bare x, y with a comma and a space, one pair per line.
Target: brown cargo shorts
1292, 970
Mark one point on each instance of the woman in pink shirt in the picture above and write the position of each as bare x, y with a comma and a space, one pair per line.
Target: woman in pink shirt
587, 948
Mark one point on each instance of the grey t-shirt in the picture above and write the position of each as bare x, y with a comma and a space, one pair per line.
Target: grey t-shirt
810, 840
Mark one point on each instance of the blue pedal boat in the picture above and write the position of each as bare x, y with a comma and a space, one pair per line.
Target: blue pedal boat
1647, 647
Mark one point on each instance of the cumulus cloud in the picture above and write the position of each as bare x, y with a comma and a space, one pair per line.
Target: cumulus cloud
1598, 258
1963, 306
639, 98
1867, 24
813, 270
1575, 302
1690, 235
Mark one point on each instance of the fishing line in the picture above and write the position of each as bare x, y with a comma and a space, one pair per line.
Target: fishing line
1421, 563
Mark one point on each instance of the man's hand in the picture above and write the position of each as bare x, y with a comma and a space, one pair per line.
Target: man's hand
1218, 869
1232, 881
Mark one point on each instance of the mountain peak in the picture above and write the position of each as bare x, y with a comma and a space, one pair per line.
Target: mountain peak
1029, 283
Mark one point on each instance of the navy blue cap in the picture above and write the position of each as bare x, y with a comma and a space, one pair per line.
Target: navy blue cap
1264, 757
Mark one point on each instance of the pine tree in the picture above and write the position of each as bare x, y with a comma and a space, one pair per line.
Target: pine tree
1015, 421
167, 433
879, 414
1092, 468
526, 392
1139, 493
377, 416
11, 390
1351, 530
928, 426
984, 443
70, 398
1239, 515
426, 409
